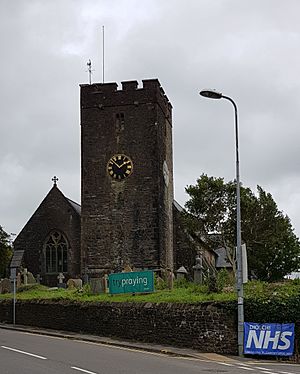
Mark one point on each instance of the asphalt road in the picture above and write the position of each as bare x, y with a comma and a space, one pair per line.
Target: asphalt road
27, 353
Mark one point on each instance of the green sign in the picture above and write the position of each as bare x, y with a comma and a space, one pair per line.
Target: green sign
132, 282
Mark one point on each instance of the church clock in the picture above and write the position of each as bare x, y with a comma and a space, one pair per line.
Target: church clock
119, 167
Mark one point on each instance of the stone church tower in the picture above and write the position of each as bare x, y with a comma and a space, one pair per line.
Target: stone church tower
127, 177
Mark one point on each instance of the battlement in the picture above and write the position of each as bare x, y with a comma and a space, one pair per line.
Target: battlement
151, 88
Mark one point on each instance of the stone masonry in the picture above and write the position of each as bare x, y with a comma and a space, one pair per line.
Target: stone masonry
128, 221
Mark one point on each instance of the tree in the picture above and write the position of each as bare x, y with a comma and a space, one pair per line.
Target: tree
5, 252
273, 248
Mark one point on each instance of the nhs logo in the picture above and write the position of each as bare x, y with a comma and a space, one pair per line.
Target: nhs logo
269, 339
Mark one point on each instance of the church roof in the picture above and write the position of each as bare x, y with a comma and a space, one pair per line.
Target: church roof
178, 206
76, 206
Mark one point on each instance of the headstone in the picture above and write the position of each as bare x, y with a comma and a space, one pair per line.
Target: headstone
19, 280
181, 273
127, 269
198, 270
96, 286
159, 281
25, 276
38, 279
30, 278
5, 286
60, 278
105, 283
169, 278
74, 283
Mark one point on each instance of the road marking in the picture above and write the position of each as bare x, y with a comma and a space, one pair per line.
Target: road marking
260, 368
285, 372
245, 368
83, 370
223, 363
23, 352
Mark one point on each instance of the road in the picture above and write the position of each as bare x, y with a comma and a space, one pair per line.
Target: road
28, 353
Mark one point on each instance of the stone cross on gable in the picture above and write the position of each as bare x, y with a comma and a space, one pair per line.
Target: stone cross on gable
54, 180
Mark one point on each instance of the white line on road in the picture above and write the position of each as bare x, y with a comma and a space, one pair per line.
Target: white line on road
245, 368
83, 370
260, 368
23, 352
223, 363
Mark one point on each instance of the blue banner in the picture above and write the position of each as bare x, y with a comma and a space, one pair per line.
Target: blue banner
269, 338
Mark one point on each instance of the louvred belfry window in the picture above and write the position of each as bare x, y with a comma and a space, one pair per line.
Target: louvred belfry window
56, 252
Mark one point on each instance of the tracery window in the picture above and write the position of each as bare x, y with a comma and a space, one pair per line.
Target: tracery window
56, 253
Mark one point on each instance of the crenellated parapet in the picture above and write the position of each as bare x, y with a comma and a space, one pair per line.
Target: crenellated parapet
106, 95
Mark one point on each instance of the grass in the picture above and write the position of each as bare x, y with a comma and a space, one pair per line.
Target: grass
183, 292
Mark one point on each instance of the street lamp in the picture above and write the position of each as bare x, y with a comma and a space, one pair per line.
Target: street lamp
212, 94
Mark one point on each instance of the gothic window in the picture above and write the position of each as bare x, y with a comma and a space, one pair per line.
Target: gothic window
56, 249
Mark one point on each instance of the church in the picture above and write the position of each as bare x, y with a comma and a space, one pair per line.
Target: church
128, 215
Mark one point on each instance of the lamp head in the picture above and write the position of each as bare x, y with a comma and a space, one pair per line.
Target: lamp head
211, 94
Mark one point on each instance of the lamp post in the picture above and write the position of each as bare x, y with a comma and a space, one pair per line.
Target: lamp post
212, 94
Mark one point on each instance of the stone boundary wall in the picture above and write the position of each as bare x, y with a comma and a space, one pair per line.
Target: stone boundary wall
207, 327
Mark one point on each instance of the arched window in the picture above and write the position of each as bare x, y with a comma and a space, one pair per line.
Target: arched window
56, 253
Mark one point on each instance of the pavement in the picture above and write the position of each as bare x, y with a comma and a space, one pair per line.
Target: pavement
148, 347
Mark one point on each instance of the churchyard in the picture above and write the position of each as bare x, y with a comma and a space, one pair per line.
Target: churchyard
182, 292
201, 317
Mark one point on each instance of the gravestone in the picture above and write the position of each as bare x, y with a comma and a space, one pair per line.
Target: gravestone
198, 270
96, 286
19, 280
24, 273
61, 283
169, 279
30, 278
127, 269
74, 283
5, 286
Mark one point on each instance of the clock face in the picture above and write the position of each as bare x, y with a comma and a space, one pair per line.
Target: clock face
119, 167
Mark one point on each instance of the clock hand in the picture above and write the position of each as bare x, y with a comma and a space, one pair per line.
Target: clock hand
116, 164
124, 163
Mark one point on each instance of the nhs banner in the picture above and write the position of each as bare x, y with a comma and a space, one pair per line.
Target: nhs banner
269, 339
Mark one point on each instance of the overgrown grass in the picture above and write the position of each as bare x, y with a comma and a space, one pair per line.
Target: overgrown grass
183, 292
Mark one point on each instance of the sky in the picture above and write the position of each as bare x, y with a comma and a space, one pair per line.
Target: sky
248, 50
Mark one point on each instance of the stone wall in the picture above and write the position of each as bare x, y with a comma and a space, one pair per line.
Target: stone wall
207, 327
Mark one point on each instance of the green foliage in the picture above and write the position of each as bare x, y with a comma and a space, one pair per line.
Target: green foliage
273, 248
273, 302
159, 283
264, 302
32, 288
5, 253
224, 279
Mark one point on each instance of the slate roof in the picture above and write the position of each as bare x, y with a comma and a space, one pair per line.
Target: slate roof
178, 206
221, 260
76, 206
17, 258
